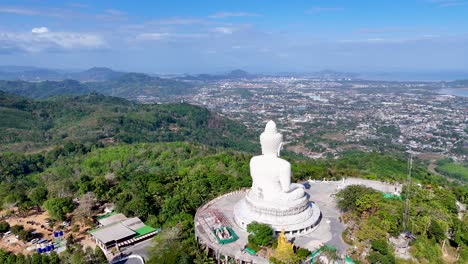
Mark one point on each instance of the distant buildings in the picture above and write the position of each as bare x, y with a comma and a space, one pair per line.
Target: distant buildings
311, 108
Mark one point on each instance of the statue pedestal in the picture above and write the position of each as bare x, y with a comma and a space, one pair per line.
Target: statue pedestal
296, 218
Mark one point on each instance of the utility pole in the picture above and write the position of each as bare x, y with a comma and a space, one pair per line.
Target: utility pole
408, 191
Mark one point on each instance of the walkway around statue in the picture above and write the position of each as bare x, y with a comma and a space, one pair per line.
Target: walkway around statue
327, 232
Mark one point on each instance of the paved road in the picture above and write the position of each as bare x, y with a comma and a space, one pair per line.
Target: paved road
129, 261
140, 249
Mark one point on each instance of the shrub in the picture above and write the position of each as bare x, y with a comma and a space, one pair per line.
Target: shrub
25, 235
4, 226
260, 234
380, 245
16, 229
302, 253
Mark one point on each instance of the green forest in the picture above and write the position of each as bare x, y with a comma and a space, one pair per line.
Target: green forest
29, 125
162, 162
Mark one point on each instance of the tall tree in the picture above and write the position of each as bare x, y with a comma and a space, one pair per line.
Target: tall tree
38, 196
58, 207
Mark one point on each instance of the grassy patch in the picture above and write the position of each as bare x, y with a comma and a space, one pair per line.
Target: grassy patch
453, 169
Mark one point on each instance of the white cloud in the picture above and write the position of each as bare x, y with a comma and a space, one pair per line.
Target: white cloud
75, 40
18, 11
112, 15
174, 21
233, 14
392, 40
384, 30
375, 39
152, 36
78, 5
224, 30
47, 12
165, 35
115, 12
177, 21
40, 30
41, 39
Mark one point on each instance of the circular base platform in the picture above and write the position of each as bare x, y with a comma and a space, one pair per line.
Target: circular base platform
294, 224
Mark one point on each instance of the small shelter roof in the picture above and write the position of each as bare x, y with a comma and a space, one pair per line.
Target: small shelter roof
114, 232
112, 219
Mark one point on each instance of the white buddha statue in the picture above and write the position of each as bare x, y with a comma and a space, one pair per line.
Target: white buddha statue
271, 175
273, 199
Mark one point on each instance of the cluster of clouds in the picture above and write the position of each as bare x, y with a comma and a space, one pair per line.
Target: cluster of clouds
42, 39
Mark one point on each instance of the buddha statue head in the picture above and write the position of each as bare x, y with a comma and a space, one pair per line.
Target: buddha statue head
271, 140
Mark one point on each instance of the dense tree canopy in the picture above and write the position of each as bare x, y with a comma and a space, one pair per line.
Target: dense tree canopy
259, 234
58, 207
96, 118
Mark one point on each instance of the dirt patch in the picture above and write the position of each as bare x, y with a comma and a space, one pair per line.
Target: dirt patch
449, 254
32, 222
335, 136
299, 148
37, 222
429, 156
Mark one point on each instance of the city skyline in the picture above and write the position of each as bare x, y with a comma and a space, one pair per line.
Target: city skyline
206, 36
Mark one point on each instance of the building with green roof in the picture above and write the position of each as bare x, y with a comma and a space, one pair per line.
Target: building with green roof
116, 230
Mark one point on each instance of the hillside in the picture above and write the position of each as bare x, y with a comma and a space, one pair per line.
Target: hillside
28, 124
95, 74
131, 85
126, 85
43, 89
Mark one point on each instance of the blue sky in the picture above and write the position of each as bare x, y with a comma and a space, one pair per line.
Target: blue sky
257, 35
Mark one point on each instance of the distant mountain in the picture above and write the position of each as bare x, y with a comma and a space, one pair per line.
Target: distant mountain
131, 85
127, 85
27, 123
136, 77
459, 84
238, 74
26, 73
96, 74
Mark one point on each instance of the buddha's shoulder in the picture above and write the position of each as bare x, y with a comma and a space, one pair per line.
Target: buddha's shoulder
273, 161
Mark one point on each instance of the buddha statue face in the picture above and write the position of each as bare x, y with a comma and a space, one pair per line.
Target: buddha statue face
271, 140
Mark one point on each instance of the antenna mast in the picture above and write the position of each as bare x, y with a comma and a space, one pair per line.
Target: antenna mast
408, 187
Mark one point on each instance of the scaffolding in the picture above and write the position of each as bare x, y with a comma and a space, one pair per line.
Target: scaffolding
213, 219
